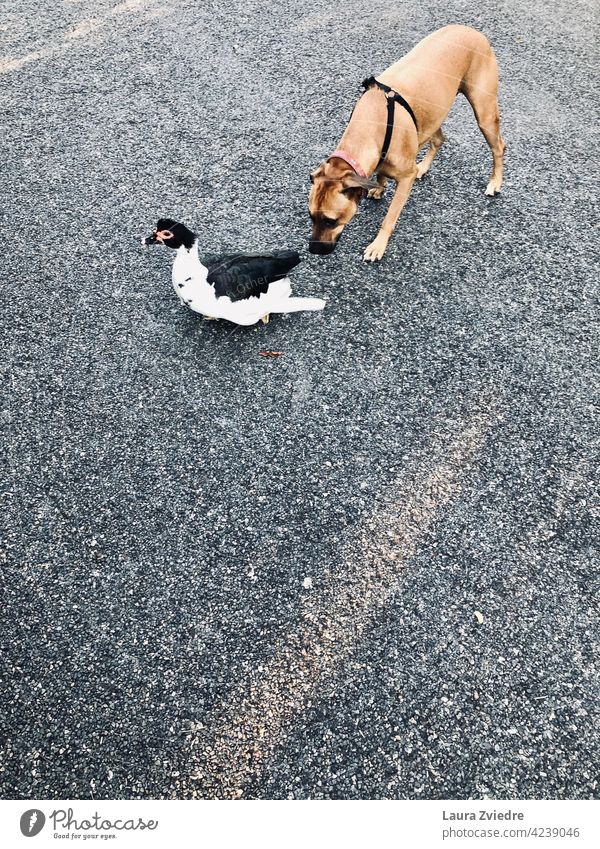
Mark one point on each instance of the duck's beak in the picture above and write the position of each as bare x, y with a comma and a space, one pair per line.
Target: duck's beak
149, 240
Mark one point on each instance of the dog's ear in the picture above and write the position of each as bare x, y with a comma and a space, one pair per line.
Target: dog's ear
318, 172
354, 181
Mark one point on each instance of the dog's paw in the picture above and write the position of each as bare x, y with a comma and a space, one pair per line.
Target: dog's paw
493, 188
376, 249
376, 193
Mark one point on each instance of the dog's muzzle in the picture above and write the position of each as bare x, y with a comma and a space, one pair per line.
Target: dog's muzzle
322, 248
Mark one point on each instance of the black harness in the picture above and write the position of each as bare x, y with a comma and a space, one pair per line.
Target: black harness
392, 98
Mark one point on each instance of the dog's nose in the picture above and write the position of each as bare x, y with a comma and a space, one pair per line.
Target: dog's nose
317, 247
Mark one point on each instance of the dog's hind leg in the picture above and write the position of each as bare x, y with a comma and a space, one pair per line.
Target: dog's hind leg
377, 191
489, 124
480, 87
435, 142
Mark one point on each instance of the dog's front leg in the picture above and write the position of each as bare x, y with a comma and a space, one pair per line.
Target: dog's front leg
403, 186
377, 191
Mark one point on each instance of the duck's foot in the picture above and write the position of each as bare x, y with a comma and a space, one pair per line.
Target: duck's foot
265, 318
209, 318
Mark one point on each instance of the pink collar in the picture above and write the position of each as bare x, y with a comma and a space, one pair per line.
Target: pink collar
352, 162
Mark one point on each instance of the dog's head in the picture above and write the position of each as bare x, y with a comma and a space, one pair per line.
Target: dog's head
334, 197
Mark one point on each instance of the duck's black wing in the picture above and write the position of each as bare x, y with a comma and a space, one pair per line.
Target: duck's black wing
240, 276
212, 259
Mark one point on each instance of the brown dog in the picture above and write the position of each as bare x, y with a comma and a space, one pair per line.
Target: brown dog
451, 60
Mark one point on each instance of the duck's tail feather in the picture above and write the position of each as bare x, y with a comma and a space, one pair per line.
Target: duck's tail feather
300, 304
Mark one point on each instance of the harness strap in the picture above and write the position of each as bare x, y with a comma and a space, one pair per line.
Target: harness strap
389, 129
392, 97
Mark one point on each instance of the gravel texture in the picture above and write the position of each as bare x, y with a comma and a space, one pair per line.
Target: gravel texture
364, 569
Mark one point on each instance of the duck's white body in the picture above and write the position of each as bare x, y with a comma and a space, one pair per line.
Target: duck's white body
194, 291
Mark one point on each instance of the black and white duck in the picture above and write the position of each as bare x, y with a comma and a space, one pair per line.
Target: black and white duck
242, 288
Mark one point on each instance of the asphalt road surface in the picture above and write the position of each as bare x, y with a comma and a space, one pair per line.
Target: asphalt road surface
364, 569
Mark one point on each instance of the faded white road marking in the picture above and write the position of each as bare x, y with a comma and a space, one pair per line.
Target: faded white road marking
77, 31
341, 605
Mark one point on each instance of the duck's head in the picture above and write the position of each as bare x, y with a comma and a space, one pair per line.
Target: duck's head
170, 233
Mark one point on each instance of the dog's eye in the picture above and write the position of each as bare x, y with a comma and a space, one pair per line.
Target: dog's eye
329, 222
